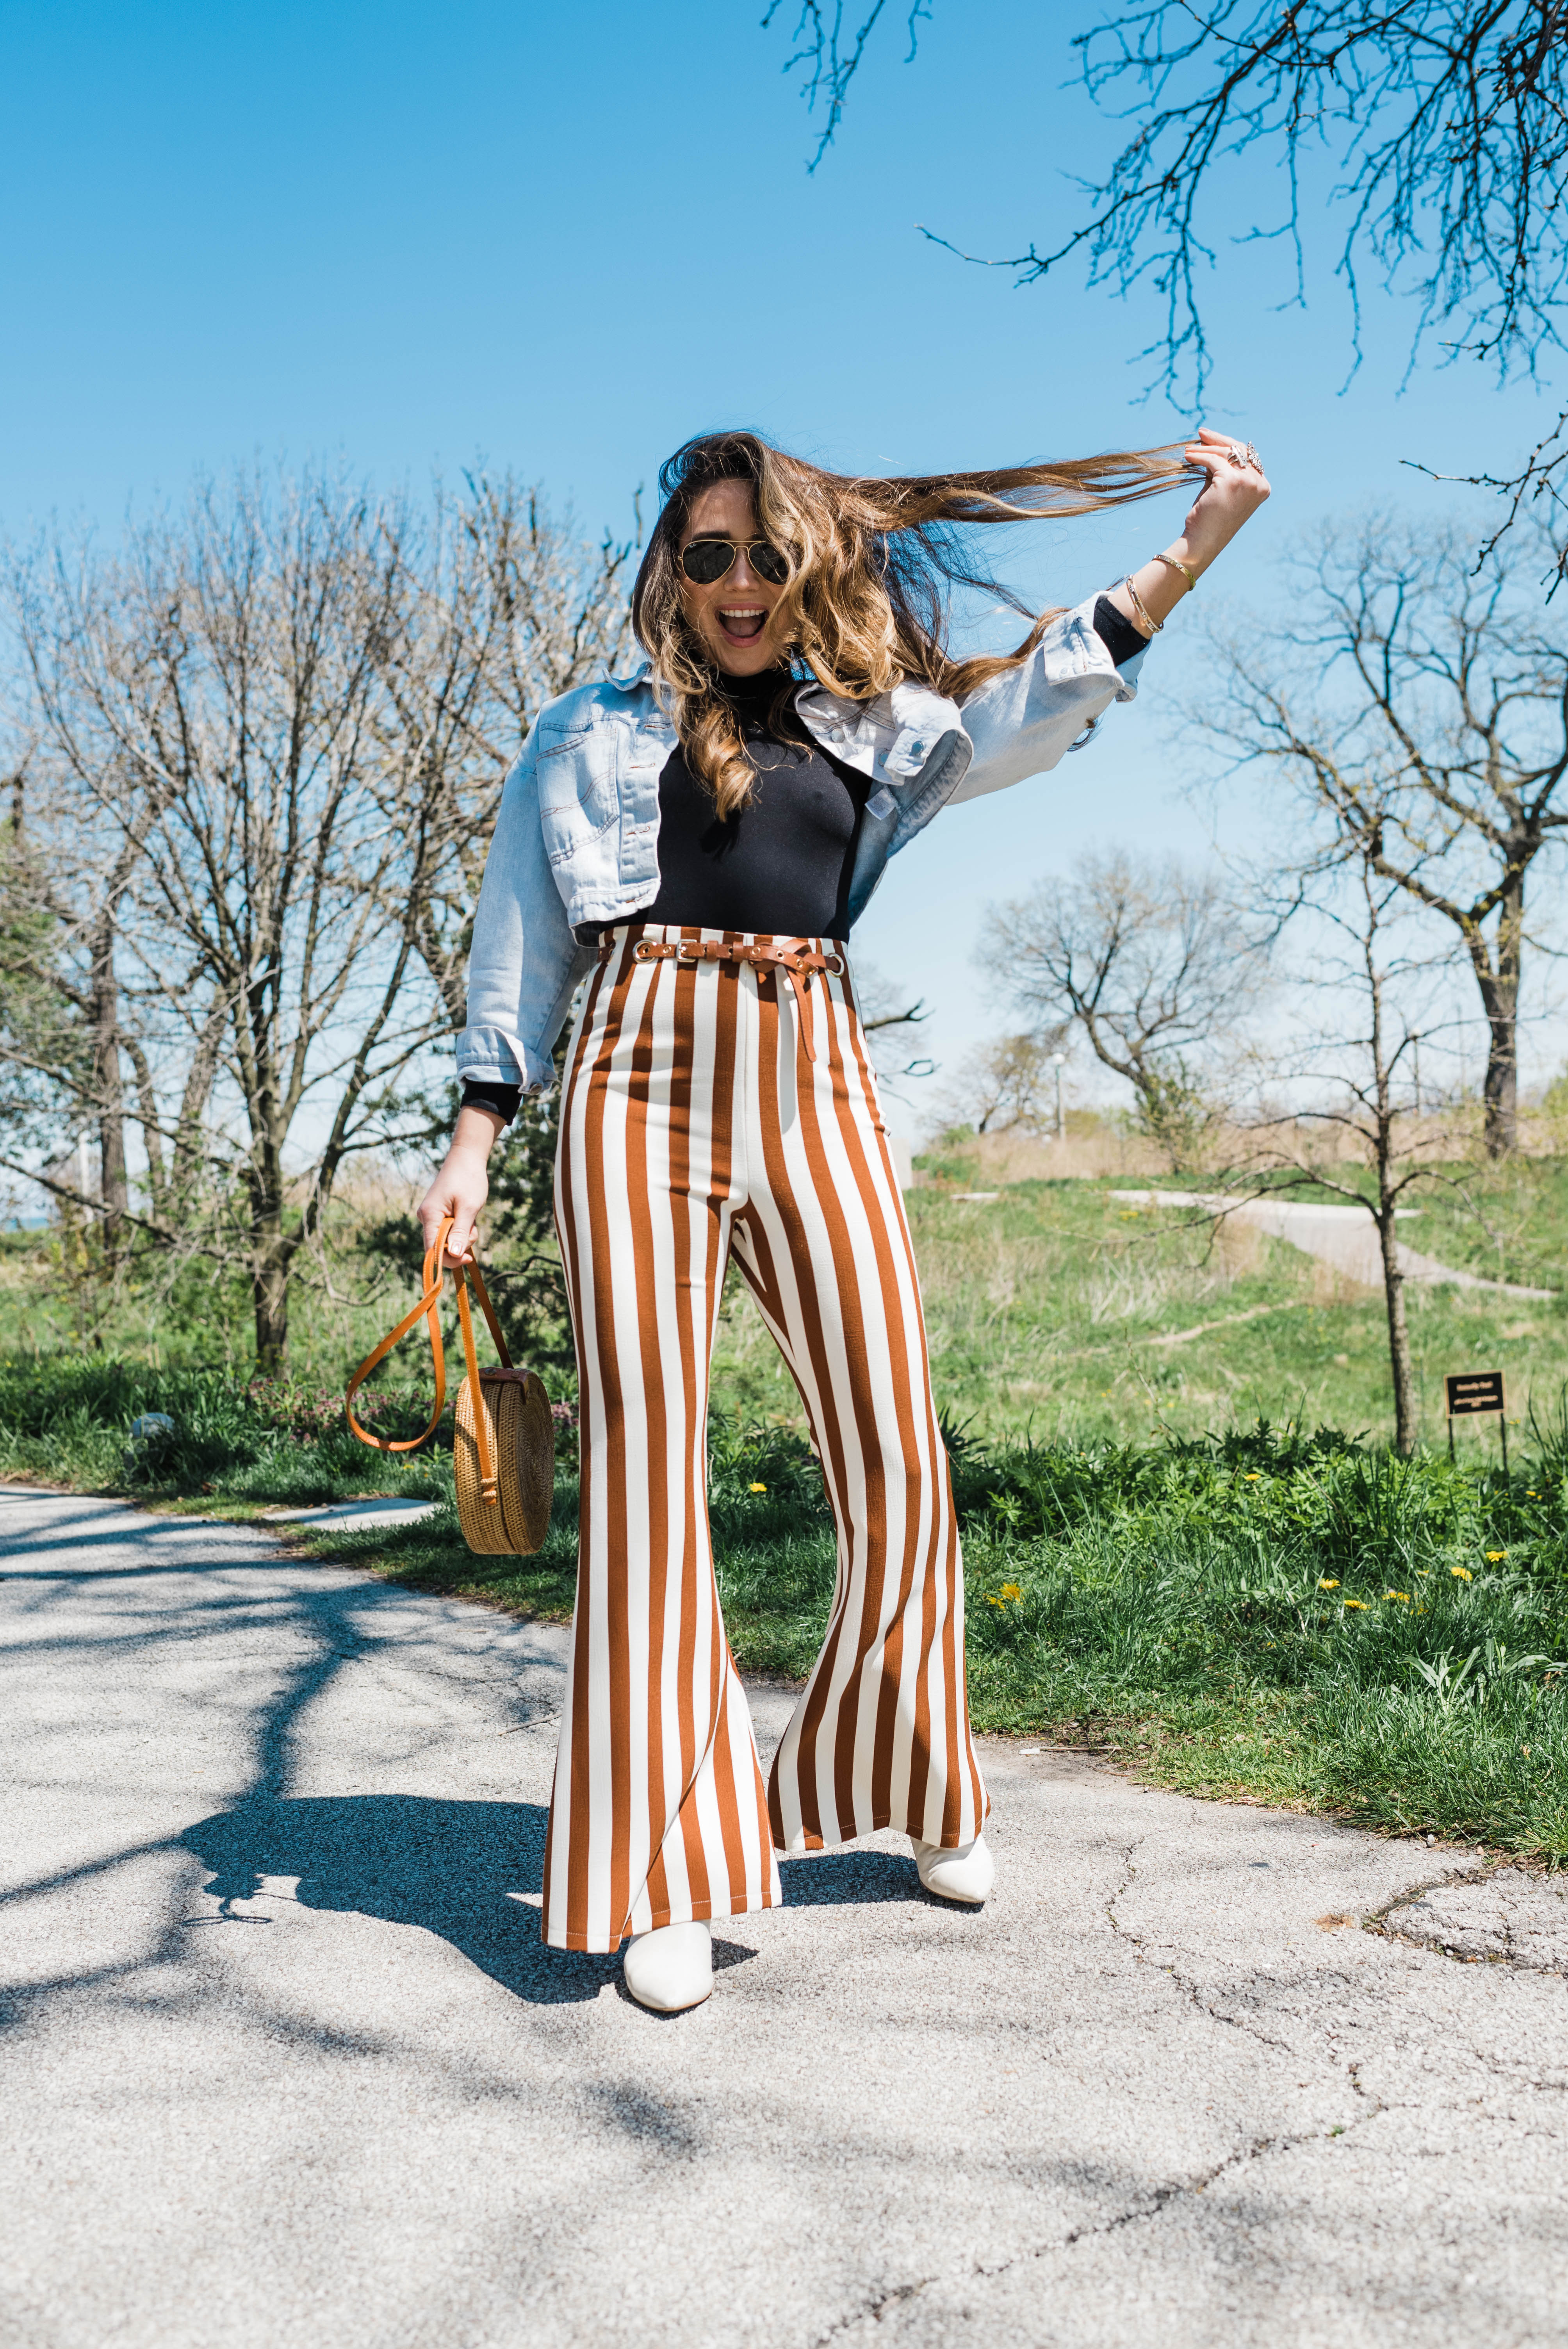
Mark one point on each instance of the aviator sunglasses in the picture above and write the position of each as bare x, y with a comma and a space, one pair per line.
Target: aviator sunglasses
707, 560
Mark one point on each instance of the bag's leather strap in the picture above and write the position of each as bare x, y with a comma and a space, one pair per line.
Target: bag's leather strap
432, 1281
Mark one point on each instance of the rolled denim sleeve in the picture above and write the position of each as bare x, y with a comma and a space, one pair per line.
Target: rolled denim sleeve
1023, 722
524, 962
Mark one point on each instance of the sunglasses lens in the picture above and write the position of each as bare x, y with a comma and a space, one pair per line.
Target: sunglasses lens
706, 559
768, 563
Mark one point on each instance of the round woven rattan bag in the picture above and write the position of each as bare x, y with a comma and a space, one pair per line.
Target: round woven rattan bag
504, 1454
521, 1441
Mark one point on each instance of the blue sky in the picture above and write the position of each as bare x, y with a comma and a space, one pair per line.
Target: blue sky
564, 239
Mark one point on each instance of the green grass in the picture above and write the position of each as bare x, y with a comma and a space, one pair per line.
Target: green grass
67, 1418
1311, 1623
1150, 1572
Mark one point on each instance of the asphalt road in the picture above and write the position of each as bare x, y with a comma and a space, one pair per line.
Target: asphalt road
282, 2061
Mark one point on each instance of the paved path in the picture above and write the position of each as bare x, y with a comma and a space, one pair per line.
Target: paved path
1343, 1236
283, 2061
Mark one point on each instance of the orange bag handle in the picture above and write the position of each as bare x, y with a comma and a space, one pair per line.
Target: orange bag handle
432, 1281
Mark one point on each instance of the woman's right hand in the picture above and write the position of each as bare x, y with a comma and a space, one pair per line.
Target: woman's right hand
461, 1185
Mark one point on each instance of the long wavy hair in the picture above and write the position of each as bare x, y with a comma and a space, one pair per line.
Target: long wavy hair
872, 567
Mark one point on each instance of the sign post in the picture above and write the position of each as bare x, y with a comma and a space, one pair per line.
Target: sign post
1475, 1395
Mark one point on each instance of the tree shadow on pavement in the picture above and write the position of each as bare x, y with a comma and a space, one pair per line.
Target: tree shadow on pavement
453, 1868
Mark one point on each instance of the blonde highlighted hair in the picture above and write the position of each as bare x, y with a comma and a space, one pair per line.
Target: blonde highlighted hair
872, 565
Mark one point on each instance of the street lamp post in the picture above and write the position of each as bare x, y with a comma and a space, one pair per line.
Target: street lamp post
1057, 1060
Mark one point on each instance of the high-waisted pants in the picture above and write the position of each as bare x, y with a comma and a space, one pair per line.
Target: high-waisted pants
710, 1110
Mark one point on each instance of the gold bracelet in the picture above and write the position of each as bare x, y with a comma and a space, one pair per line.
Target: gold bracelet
1173, 563
1145, 618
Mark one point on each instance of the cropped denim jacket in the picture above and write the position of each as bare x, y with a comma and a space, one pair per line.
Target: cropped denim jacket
576, 840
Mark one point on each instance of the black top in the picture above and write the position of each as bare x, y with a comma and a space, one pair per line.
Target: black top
780, 865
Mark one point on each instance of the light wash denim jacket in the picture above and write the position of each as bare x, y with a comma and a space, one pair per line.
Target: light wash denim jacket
577, 837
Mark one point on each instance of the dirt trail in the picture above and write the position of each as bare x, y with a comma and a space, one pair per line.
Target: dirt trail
1345, 1236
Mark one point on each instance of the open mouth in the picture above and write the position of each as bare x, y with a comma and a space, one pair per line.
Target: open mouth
744, 624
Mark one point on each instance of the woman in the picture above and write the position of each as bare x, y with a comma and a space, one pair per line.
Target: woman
697, 840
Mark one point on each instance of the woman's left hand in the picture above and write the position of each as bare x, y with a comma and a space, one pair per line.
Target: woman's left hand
1235, 489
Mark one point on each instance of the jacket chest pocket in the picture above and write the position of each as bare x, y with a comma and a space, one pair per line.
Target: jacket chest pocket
576, 772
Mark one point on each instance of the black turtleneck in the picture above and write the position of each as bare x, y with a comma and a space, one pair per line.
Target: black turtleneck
782, 864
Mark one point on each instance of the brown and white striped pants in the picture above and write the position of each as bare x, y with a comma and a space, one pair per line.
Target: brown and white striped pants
707, 1111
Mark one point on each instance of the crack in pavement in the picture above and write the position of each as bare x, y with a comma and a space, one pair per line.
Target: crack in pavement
1158, 2199
874, 2308
1190, 1989
1380, 1922
1368, 2096
1375, 1921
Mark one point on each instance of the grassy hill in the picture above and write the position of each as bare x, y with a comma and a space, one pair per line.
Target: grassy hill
1058, 1312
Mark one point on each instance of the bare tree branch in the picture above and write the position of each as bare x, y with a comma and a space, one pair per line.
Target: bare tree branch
1442, 127
1421, 714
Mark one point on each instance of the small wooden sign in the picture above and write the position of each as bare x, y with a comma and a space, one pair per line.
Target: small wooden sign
1475, 1391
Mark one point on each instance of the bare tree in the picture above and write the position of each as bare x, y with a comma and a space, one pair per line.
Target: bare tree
62, 882
1423, 715
1442, 123
1008, 1086
502, 609
1363, 988
276, 727
45, 1047
1152, 964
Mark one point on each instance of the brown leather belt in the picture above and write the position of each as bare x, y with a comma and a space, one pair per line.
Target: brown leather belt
802, 962
799, 965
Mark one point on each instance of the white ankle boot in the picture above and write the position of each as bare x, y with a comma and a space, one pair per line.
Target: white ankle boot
966, 1874
671, 1967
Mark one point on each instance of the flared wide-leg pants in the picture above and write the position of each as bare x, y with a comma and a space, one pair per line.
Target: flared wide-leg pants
712, 1110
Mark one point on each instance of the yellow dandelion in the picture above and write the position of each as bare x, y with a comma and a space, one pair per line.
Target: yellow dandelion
1461, 1573
1359, 1605
756, 1488
1531, 1494
1495, 1557
1012, 1591
1327, 1586
1403, 1596
1251, 1477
